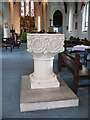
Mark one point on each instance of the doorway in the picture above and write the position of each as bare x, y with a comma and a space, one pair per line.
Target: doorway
57, 21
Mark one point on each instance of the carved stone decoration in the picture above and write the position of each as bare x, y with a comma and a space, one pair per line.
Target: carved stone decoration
55, 45
45, 43
44, 47
37, 46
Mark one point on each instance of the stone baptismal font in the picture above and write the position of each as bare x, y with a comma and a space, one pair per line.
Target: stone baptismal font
44, 48
42, 89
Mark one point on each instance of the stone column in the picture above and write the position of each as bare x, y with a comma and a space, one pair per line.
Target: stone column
44, 47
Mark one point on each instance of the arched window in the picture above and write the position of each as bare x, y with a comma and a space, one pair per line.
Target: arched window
22, 8
57, 19
70, 20
85, 17
32, 8
27, 7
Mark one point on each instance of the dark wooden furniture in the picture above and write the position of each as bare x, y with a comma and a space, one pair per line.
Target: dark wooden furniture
7, 42
7, 46
7, 39
16, 42
87, 52
79, 71
68, 43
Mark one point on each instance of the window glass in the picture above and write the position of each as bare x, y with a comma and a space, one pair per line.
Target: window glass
85, 17
27, 7
70, 20
32, 8
22, 8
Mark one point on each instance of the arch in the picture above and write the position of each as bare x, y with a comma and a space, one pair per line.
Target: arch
61, 9
57, 18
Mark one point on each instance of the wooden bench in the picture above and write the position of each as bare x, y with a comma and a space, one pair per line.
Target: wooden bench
11, 41
7, 46
17, 44
7, 42
79, 71
87, 52
69, 43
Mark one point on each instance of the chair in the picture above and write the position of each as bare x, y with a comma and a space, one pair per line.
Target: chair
86, 56
7, 42
16, 42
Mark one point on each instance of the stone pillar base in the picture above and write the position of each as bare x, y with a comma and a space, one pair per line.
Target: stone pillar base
45, 83
43, 75
41, 99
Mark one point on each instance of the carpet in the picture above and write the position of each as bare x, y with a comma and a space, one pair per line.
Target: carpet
20, 62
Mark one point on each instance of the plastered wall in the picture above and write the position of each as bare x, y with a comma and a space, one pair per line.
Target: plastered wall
13, 17
17, 18
38, 12
75, 32
6, 19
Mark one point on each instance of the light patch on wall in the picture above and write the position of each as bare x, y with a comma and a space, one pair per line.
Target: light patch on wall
38, 23
27, 7
6, 24
22, 8
32, 8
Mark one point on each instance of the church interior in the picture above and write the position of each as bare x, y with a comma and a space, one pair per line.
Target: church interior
44, 42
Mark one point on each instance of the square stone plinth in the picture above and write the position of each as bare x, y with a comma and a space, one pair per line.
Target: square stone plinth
41, 99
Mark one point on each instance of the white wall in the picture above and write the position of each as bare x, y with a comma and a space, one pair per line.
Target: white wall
51, 8
76, 32
6, 18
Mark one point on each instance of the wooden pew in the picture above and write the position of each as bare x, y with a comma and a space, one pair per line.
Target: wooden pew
79, 71
87, 52
68, 44
16, 42
7, 46
7, 43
